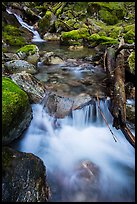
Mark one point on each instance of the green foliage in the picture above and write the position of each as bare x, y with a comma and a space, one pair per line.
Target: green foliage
102, 39
14, 100
107, 17
27, 49
12, 36
131, 62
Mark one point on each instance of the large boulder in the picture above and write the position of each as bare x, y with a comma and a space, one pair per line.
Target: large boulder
16, 111
60, 106
23, 177
15, 66
32, 86
30, 53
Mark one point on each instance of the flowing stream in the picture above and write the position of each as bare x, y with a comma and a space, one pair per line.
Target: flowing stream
83, 161
36, 36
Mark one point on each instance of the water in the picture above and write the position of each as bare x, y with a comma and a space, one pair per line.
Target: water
36, 36
83, 161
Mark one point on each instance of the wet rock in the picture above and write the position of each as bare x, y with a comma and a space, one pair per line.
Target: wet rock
30, 53
75, 47
23, 177
9, 56
60, 106
50, 58
15, 66
51, 37
32, 86
16, 111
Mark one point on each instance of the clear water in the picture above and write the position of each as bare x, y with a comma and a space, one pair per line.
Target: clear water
36, 36
66, 145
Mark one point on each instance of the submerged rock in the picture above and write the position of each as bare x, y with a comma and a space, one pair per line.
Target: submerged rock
15, 66
23, 177
16, 111
32, 86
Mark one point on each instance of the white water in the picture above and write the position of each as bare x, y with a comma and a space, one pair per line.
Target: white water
79, 137
36, 36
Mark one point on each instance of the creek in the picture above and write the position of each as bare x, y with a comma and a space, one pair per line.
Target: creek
83, 161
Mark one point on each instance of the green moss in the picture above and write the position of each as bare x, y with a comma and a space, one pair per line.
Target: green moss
12, 36
14, 101
131, 62
102, 39
76, 34
28, 49
48, 14
107, 17
129, 33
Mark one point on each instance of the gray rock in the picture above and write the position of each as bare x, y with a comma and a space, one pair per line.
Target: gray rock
15, 66
51, 37
50, 58
23, 177
32, 86
60, 106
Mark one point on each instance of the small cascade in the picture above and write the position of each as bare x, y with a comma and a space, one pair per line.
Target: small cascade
79, 139
36, 36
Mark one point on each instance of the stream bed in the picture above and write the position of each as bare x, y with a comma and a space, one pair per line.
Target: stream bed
83, 161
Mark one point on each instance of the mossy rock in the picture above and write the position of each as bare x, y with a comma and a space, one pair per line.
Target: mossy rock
108, 17
16, 110
129, 33
131, 62
12, 36
75, 35
28, 49
96, 38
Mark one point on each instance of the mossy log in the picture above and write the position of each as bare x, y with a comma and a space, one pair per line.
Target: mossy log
114, 66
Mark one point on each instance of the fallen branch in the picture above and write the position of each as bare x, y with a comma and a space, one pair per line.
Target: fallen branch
125, 46
114, 137
114, 66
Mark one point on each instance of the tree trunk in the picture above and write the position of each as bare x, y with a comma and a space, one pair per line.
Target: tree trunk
114, 66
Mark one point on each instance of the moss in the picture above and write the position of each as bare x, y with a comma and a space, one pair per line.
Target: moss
12, 36
129, 33
107, 17
14, 101
131, 62
102, 39
28, 49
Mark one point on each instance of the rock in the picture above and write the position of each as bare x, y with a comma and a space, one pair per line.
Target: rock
51, 37
15, 66
50, 58
75, 47
60, 106
16, 111
30, 53
32, 86
10, 56
23, 177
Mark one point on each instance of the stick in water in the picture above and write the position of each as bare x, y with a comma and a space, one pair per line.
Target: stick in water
114, 137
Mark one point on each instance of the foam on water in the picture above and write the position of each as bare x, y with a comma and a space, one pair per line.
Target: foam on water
80, 137
36, 36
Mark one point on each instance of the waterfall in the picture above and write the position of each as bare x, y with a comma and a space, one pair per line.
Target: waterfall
36, 36
78, 139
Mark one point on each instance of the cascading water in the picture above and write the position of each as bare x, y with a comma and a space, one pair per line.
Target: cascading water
83, 161
36, 36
